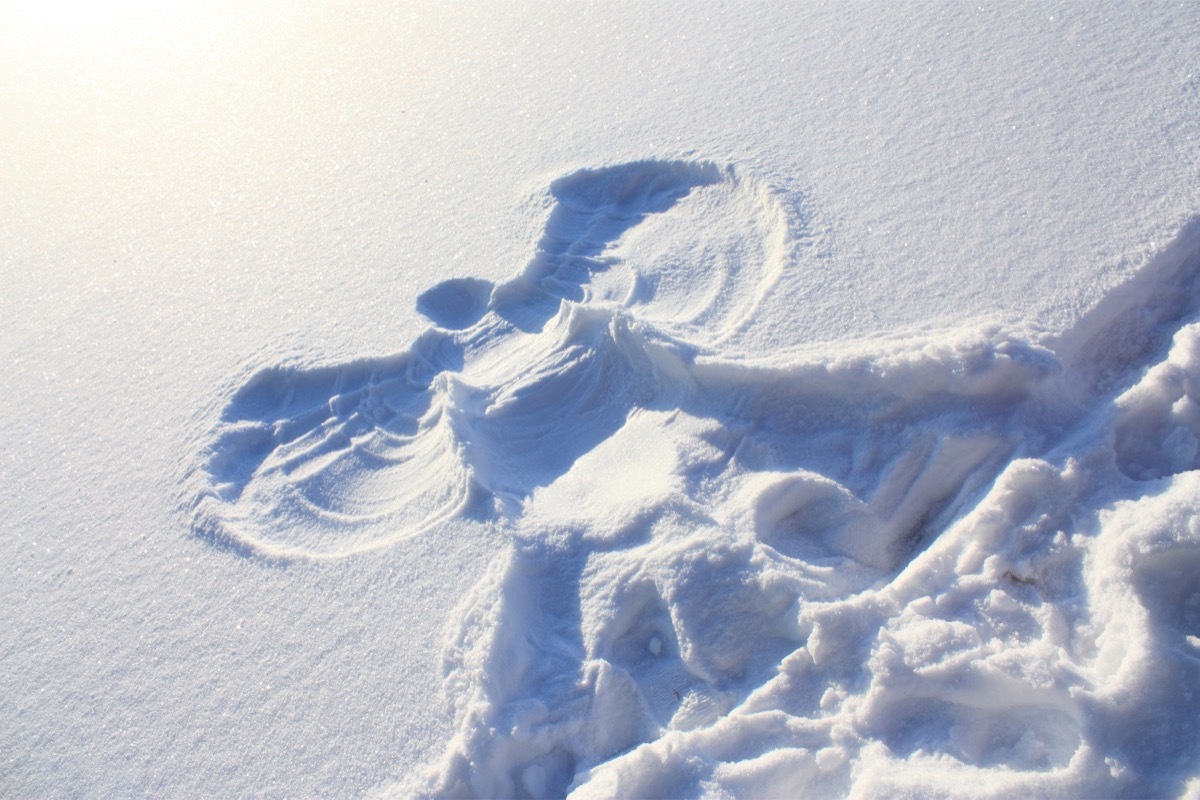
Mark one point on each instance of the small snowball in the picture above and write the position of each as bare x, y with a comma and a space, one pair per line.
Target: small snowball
655, 646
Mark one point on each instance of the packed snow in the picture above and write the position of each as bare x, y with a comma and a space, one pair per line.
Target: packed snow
602, 401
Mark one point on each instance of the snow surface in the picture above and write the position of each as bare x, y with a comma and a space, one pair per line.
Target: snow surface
610, 400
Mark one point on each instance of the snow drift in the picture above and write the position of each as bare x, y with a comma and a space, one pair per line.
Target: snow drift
962, 562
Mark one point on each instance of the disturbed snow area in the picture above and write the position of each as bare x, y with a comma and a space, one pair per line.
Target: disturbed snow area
962, 561
600, 400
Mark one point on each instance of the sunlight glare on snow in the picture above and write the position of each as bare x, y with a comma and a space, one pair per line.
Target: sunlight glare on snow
108, 36
84, 19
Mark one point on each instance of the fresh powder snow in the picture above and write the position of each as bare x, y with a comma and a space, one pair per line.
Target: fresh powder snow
600, 400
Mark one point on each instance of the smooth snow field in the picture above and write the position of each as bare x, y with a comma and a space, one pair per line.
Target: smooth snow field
613, 400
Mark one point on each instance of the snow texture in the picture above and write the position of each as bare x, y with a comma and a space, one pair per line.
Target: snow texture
604, 400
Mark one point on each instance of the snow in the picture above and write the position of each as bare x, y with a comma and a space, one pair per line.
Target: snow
614, 400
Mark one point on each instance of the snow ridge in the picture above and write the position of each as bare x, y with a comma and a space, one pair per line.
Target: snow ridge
954, 563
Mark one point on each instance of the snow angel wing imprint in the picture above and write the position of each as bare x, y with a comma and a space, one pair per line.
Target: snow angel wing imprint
330, 461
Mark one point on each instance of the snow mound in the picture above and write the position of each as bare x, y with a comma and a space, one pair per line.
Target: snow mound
958, 562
